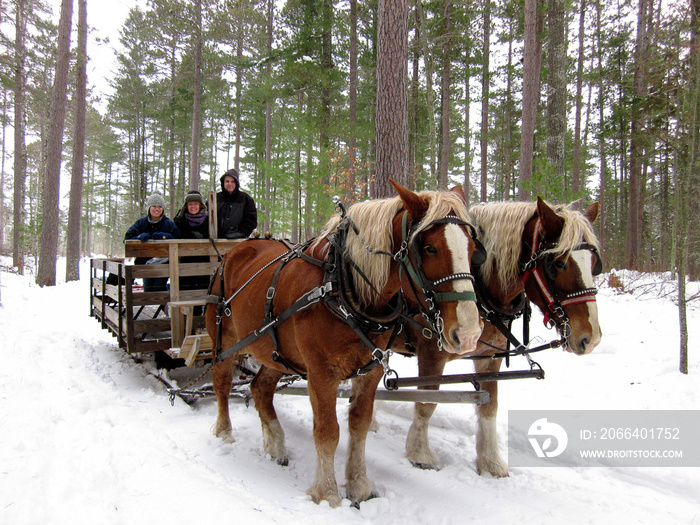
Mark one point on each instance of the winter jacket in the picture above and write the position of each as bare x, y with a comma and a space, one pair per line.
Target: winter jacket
144, 225
191, 232
237, 214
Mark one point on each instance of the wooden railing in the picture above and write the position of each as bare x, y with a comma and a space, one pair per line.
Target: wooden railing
144, 321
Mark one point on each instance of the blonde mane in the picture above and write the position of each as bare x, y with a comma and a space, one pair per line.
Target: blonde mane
373, 219
501, 226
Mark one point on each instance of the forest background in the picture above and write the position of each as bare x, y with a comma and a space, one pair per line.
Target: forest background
572, 100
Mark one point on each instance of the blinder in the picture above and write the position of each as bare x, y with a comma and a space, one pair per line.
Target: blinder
550, 263
479, 255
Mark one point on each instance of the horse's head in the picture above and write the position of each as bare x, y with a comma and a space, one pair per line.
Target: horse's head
433, 243
559, 258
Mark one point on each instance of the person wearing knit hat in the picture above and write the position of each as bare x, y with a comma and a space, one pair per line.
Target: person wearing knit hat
192, 219
155, 199
237, 215
155, 225
193, 222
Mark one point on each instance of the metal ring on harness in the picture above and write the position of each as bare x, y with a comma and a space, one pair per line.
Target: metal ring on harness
390, 385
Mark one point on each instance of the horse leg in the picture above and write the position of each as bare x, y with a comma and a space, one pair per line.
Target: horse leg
359, 486
430, 362
263, 390
223, 381
488, 458
323, 393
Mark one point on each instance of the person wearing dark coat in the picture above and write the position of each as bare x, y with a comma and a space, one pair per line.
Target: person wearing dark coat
237, 215
193, 222
193, 218
155, 225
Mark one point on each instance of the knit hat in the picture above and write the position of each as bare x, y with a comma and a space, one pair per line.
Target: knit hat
155, 199
194, 196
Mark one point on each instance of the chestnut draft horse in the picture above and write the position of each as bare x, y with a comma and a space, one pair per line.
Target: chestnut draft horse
550, 254
418, 242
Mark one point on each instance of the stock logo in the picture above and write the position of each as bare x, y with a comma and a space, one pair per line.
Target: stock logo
548, 439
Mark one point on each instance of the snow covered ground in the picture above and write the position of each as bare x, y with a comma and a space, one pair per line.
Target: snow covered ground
87, 436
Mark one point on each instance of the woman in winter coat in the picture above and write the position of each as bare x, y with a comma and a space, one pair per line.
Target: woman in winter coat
155, 225
193, 222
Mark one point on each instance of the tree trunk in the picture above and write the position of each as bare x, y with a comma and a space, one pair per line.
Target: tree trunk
485, 91
509, 167
76, 186
556, 93
531, 94
445, 139
428, 63
467, 132
352, 141
602, 194
268, 121
413, 113
576, 172
392, 96
20, 150
46, 273
197, 102
635, 216
239, 90
2, 172
171, 131
692, 109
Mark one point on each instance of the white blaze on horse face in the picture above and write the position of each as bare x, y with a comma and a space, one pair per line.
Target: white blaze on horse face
470, 324
584, 261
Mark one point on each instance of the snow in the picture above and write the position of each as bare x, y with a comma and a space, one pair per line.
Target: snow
88, 436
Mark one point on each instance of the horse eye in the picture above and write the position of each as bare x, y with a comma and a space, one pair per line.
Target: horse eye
430, 249
560, 265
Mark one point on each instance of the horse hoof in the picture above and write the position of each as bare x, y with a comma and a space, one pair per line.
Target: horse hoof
332, 497
498, 470
355, 504
226, 436
424, 466
284, 462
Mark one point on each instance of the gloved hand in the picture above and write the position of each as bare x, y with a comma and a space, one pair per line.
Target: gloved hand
197, 235
162, 235
143, 237
234, 235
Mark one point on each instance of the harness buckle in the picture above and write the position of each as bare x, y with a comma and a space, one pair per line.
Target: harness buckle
343, 311
320, 291
270, 293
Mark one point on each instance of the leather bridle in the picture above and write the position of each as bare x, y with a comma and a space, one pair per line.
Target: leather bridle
556, 299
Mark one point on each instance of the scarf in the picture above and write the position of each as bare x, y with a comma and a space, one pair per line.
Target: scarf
196, 220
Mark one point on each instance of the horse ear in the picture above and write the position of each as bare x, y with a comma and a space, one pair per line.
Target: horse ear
550, 221
591, 212
415, 205
459, 191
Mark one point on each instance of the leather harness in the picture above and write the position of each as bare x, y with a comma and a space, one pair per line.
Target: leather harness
338, 295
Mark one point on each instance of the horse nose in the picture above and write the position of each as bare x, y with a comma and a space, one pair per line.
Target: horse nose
584, 345
581, 346
465, 339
